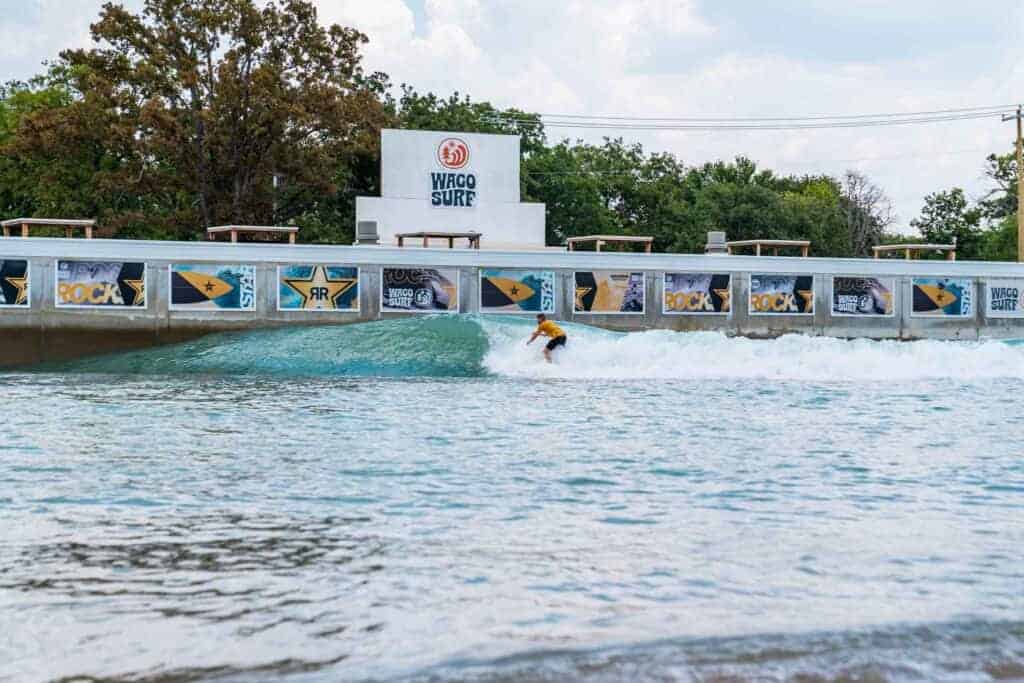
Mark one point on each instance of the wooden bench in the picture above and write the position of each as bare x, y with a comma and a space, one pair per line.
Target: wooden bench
69, 225
236, 230
911, 251
473, 237
601, 240
774, 245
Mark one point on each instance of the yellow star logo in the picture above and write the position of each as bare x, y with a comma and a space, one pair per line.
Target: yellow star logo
320, 292
140, 291
723, 294
580, 293
20, 284
808, 297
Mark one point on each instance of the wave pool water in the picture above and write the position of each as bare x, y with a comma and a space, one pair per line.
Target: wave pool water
425, 499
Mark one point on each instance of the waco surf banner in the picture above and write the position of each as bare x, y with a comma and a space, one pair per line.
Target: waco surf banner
318, 288
517, 291
608, 291
936, 297
1005, 299
781, 295
204, 287
419, 290
867, 296
100, 284
13, 283
696, 293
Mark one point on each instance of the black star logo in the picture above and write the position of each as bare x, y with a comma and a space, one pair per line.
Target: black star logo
514, 290
209, 286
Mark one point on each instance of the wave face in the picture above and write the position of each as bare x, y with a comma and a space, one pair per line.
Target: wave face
473, 346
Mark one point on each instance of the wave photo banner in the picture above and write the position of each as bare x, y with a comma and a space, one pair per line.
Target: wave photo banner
14, 283
863, 296
937, 297
1005, 299
517, 291
781, 294
696, 294
100, 284
204, 287
608, 291
419, 290
318, 288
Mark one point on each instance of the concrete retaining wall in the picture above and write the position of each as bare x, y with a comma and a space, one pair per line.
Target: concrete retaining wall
45, 332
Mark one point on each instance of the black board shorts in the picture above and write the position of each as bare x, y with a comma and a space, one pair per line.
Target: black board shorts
556, 342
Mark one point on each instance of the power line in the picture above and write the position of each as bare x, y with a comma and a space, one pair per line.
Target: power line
619, 122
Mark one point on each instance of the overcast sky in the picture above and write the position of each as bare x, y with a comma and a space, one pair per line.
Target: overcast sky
686, 58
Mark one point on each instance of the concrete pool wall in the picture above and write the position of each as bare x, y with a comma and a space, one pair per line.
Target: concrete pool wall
43, 331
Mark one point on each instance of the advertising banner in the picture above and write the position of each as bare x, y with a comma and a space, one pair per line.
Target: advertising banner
696, 293
13, 284
93, 284
863, 296
609, 291
204, 287
517, 291
317, 288
1005, 299
781, 294
419, 290
936, 297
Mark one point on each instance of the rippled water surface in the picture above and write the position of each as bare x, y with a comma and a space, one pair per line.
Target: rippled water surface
344, 505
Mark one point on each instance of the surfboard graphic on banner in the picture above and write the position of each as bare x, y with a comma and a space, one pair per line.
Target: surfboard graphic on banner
781, 294
419, 290
14, 284
936, 297
696, 293
608, 291
317, 288
204, 287
107, 284
863, 296
517, 291
1005, 299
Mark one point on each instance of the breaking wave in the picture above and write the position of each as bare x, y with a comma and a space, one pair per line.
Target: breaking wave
473, 346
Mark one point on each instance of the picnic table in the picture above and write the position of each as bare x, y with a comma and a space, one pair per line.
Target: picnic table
601, 240
473, 237
914, 250
774, 245
235, 230
68, 224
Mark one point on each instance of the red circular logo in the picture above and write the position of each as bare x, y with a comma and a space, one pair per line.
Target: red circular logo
453, 153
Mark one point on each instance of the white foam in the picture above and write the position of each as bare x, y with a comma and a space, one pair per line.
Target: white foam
599, 354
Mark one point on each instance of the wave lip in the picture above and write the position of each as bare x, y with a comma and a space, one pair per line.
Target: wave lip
476, 346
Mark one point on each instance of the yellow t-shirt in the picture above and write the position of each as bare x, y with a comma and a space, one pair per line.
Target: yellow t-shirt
549, 328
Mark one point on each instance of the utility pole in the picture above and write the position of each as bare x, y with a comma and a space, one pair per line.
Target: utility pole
1020, 182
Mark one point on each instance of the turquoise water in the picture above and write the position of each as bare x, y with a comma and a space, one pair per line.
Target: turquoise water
424, 499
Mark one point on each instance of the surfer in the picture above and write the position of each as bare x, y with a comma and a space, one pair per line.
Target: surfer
549, 329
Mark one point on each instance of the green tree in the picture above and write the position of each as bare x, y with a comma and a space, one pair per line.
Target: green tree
194, 106
947, 217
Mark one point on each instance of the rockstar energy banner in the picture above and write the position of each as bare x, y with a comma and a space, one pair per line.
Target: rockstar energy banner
13, 284
781, 294
90, 284
862, 296
419, 290
1005, 299
943, 297
317, 288
607, 291
517, 291
696, 293
212, 287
